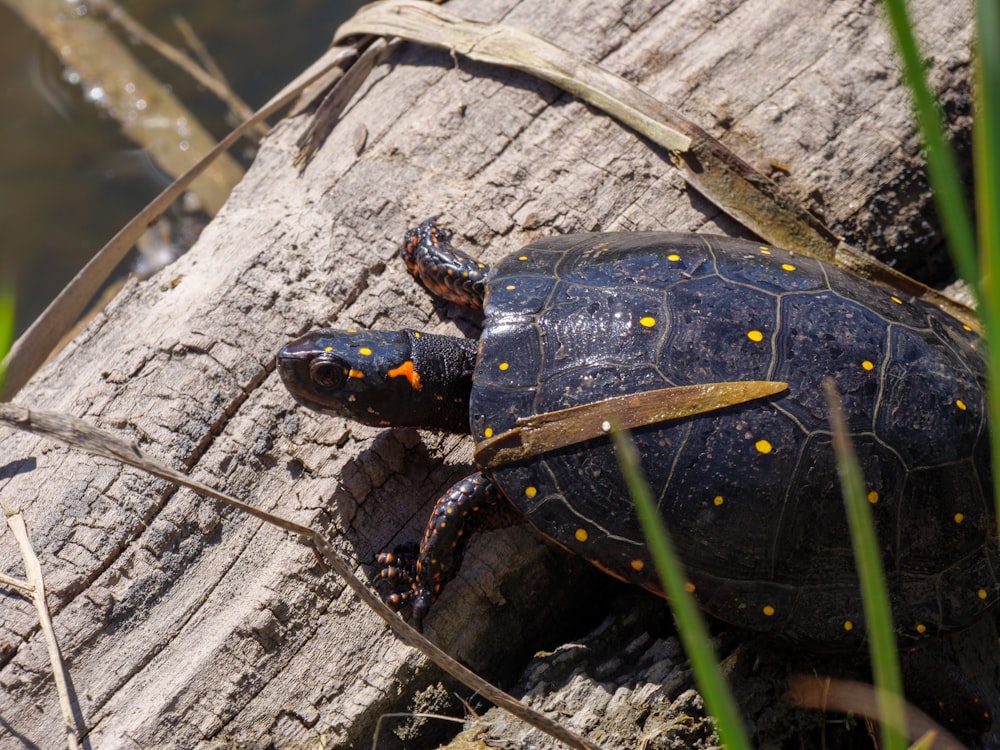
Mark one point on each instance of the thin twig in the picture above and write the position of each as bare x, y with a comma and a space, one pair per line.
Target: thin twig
84, 436
16, 583
217, 85
33, 571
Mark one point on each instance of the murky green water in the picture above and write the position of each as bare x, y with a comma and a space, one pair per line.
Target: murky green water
69, 180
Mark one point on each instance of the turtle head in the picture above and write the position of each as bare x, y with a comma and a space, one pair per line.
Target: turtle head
382, 378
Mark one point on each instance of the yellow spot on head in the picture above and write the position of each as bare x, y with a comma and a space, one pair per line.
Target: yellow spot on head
365, 351
967, 327
768, 610
416, 334
763, 446
581, 535
961, 404
647, 322
689, 587
717, 500
355, 374
959, 517
328, 349
531, 491
896, 299
504, 365
921, 628
755, 335
488, 432
873, 497
523, 257
981, 593
674, 257
848, 625
637, 565
787, 267
868, 365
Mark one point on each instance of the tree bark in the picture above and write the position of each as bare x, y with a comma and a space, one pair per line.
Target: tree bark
185, 625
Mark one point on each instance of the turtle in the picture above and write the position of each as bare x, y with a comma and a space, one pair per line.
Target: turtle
749, 489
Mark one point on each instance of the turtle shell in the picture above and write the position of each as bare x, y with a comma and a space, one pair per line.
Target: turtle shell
750, 493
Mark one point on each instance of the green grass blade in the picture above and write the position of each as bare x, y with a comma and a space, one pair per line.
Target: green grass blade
941, 163
986, 153
874, 592
690, 624
6, 326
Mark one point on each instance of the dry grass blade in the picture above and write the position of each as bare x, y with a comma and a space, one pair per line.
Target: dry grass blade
81, 435
845, 696
338, 97
711, 168
35, 585
708, 166
35, 345
552, 430
503, 45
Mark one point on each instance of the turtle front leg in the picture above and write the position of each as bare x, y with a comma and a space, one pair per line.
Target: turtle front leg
447, 272
419, 578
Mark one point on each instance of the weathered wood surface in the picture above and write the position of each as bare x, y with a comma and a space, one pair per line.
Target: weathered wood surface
186, 626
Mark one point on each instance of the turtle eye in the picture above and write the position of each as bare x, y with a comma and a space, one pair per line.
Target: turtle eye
328, 373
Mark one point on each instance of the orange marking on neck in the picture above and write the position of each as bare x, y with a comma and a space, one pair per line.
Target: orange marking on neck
406, 370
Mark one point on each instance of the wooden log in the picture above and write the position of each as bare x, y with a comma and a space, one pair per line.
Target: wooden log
184, 625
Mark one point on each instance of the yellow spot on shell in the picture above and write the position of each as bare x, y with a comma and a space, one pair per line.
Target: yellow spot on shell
689, 587
328, 349
959, 517
848, 625
581, 535
768, 610
647, 322
896, 299
416, 334
873, 497
365, 351
787, 267
523, 257
674, 257
717, 500
755, 335
504, 365
765, 251
961, 404
921, 628
763, 446
637, 565
488, 432
967, 327
531, 491
981, 593
868, 365
510, 287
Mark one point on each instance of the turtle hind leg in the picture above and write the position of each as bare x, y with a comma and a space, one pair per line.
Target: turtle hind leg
444, 270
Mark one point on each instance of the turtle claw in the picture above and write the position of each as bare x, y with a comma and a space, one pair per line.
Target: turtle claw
399, 571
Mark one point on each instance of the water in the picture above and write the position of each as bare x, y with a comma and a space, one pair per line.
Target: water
69, 180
